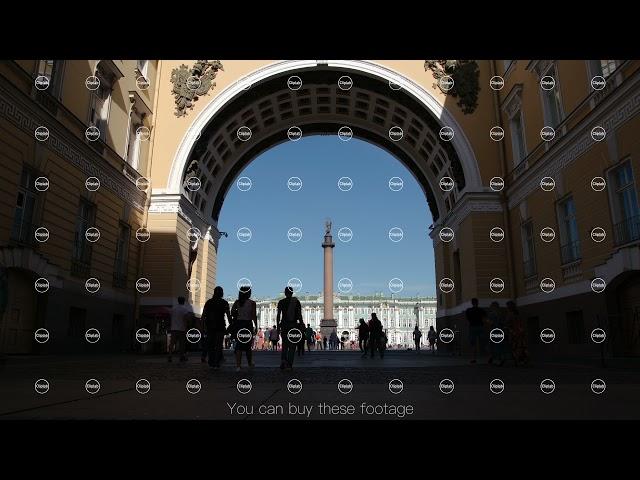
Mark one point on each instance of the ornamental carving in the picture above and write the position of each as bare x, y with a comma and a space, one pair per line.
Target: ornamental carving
194, 82
465, 75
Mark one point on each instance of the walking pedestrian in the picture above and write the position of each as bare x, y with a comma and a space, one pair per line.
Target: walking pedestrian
310, 336
363, 337
213, 320
274, 338
244, 317
375, 335
517, 335
290, 324
432, 336
475, 316
181, 315
417, 335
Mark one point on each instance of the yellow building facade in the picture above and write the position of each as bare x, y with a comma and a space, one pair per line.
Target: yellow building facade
167, 139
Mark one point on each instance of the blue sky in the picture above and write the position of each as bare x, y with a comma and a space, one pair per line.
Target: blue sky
370, 209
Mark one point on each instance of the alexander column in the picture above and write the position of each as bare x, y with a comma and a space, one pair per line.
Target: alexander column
328, 323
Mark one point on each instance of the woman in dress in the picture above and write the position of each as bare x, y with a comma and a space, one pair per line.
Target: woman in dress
260, 341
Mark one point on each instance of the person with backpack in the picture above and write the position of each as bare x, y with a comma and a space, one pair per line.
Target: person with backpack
289, 317
417, 335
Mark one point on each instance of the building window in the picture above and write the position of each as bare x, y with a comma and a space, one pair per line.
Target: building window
142, 67
101, 104
122, 256
53, 70
575, 327
516, 126
81, 259
507, 65
552, 105
528, 250
569, 240
77, 322
602, 68
625, 204
22, 230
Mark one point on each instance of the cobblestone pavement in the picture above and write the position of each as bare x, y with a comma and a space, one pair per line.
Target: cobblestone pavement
319, 374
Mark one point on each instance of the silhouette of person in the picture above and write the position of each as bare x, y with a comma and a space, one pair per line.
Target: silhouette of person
363, 337
475, 316
310, 336
181, 315
333, 340
213, 320
495, 319
417, 335
274, 338
517, 334
244, 317
375, 335
432, 336
324, 343
289, 317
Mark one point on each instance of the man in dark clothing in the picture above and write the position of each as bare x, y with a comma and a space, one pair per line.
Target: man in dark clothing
213, 321
310, 336
475, 317
375, 335
289, 317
